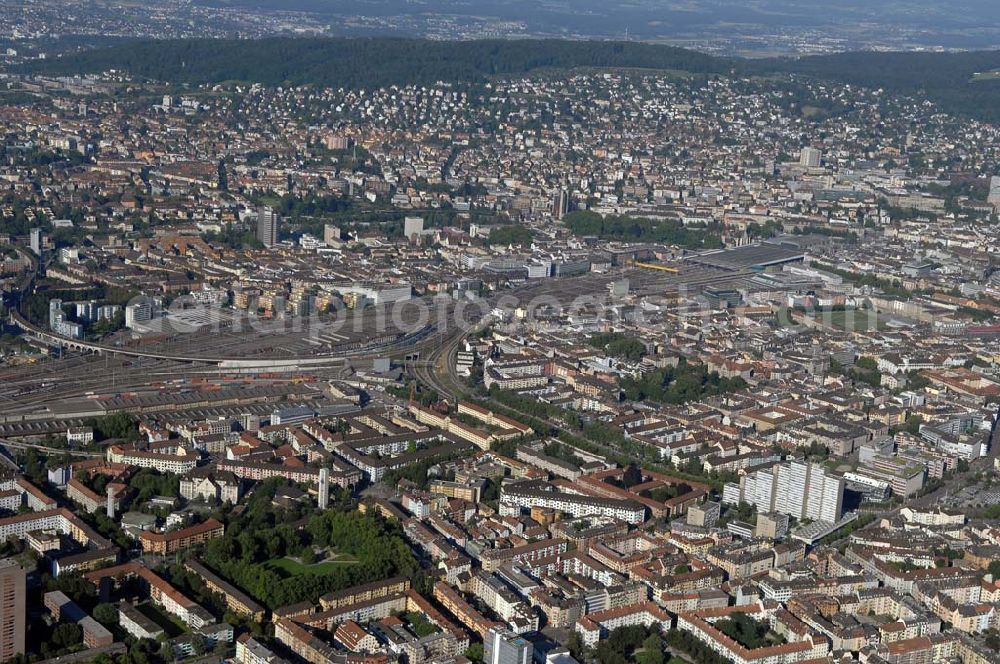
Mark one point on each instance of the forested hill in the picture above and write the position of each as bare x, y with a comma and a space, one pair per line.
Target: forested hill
966, 83
372, 62
959, 82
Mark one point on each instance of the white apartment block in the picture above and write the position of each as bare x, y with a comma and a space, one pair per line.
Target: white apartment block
514, 499
796, 488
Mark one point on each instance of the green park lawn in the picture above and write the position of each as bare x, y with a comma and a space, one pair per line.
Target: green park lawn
292, 567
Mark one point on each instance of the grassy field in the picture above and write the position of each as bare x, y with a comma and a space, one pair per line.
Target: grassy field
986, 75
858, 320
421, 625
292, 567
170, 624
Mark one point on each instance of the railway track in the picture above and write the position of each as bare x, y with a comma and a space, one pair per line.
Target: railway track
49, 450
125, 369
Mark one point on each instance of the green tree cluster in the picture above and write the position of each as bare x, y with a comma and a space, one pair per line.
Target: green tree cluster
618, 344
366, 63
262, 533
747, 631
149, 483
115, 426
233, 237
680, 384
621, 645
865, 370
635, 229
510, 234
